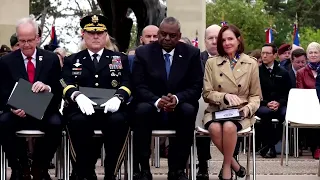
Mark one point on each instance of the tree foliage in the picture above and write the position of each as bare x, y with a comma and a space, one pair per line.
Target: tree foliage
251, 19
308, 35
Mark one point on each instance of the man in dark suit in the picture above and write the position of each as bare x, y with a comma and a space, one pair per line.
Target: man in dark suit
168, 79
203, 143
298, 61
275, 86
96, 67
42, 69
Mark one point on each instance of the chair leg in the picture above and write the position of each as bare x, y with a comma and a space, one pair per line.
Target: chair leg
248, 158
131, 157
102, 155
283, 144
254, 152
66, 159
244, 144
3, 164
194, 169
287, 143
157, 153
119, 174
152, 151
297, 143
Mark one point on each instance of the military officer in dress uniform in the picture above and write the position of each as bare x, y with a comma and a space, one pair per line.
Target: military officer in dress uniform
96, 67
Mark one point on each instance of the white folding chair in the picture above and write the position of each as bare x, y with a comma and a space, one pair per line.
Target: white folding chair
302, 112
249, 132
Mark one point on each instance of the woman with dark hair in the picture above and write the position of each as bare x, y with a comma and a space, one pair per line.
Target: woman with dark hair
231, 81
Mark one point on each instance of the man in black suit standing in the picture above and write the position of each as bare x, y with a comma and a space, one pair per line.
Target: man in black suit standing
42, 69
168, 79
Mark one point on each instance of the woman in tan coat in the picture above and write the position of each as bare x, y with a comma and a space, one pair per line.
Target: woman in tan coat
231, 80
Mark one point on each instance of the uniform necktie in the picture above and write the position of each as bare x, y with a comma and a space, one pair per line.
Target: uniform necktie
270, 70
30, 70
95, 60
168, 64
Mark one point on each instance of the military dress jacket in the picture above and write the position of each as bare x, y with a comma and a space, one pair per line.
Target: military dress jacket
112, 73
243, 81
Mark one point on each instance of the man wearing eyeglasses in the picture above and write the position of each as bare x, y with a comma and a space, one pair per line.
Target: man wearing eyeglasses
42, 69
275, 86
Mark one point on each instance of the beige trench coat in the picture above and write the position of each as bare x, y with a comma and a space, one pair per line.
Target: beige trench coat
243, 81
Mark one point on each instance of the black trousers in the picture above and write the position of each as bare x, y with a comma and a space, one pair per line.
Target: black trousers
115, 131
270, 135
15, 147
203, 149
182, 120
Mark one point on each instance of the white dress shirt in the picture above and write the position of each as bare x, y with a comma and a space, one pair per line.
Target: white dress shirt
33, 60
99, 54
171, 58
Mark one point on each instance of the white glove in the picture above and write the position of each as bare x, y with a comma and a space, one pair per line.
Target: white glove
111, 105
85, 104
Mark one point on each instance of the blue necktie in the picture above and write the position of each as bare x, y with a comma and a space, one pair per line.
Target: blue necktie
168, 64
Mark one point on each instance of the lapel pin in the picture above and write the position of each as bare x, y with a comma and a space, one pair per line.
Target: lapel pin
107, 56
180, 56
84, 57
40, 58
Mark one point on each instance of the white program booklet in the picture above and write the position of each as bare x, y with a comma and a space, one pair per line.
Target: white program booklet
232, 114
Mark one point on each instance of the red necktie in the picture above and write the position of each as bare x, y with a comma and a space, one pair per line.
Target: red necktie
30, 70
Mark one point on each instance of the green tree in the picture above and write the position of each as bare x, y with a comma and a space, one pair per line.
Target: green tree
251, 19
308, 35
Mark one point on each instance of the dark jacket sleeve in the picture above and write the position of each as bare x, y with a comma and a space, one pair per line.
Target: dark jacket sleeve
54, 81
318, 85
195, 76
125, 89
285, 89
6, 84
142, 92
67, 81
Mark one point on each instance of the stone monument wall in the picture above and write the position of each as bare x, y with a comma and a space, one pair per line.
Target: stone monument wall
10, 12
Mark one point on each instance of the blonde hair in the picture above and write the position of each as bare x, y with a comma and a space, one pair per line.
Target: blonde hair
313, 45
109, 45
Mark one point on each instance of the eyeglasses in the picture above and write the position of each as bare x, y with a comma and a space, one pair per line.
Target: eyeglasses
29, 41
266, 53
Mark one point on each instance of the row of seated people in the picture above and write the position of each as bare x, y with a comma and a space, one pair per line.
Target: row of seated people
231, 80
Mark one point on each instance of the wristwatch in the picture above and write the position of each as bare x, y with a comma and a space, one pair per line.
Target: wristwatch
120, 97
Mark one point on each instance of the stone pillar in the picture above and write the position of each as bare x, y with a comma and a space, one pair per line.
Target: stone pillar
10, 12
192, 16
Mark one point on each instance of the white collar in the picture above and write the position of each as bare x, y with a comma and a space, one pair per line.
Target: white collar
171, 52
34, 55
99, 52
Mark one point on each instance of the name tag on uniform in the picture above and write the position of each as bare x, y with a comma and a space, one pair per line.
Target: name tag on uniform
277, 76
76, 73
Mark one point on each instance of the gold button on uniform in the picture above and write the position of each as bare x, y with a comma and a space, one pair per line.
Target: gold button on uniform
97, 84
96, 76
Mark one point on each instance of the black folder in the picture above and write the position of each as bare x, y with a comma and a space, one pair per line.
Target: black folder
33, 104
98, 95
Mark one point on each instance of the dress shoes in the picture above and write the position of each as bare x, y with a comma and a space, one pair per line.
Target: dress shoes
271, 153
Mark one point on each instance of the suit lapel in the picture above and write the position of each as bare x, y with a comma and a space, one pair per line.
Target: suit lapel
39, 62
224, 66
86, 61
104, 60
21, 66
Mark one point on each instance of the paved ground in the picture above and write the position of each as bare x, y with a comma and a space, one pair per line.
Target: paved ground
299, 168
